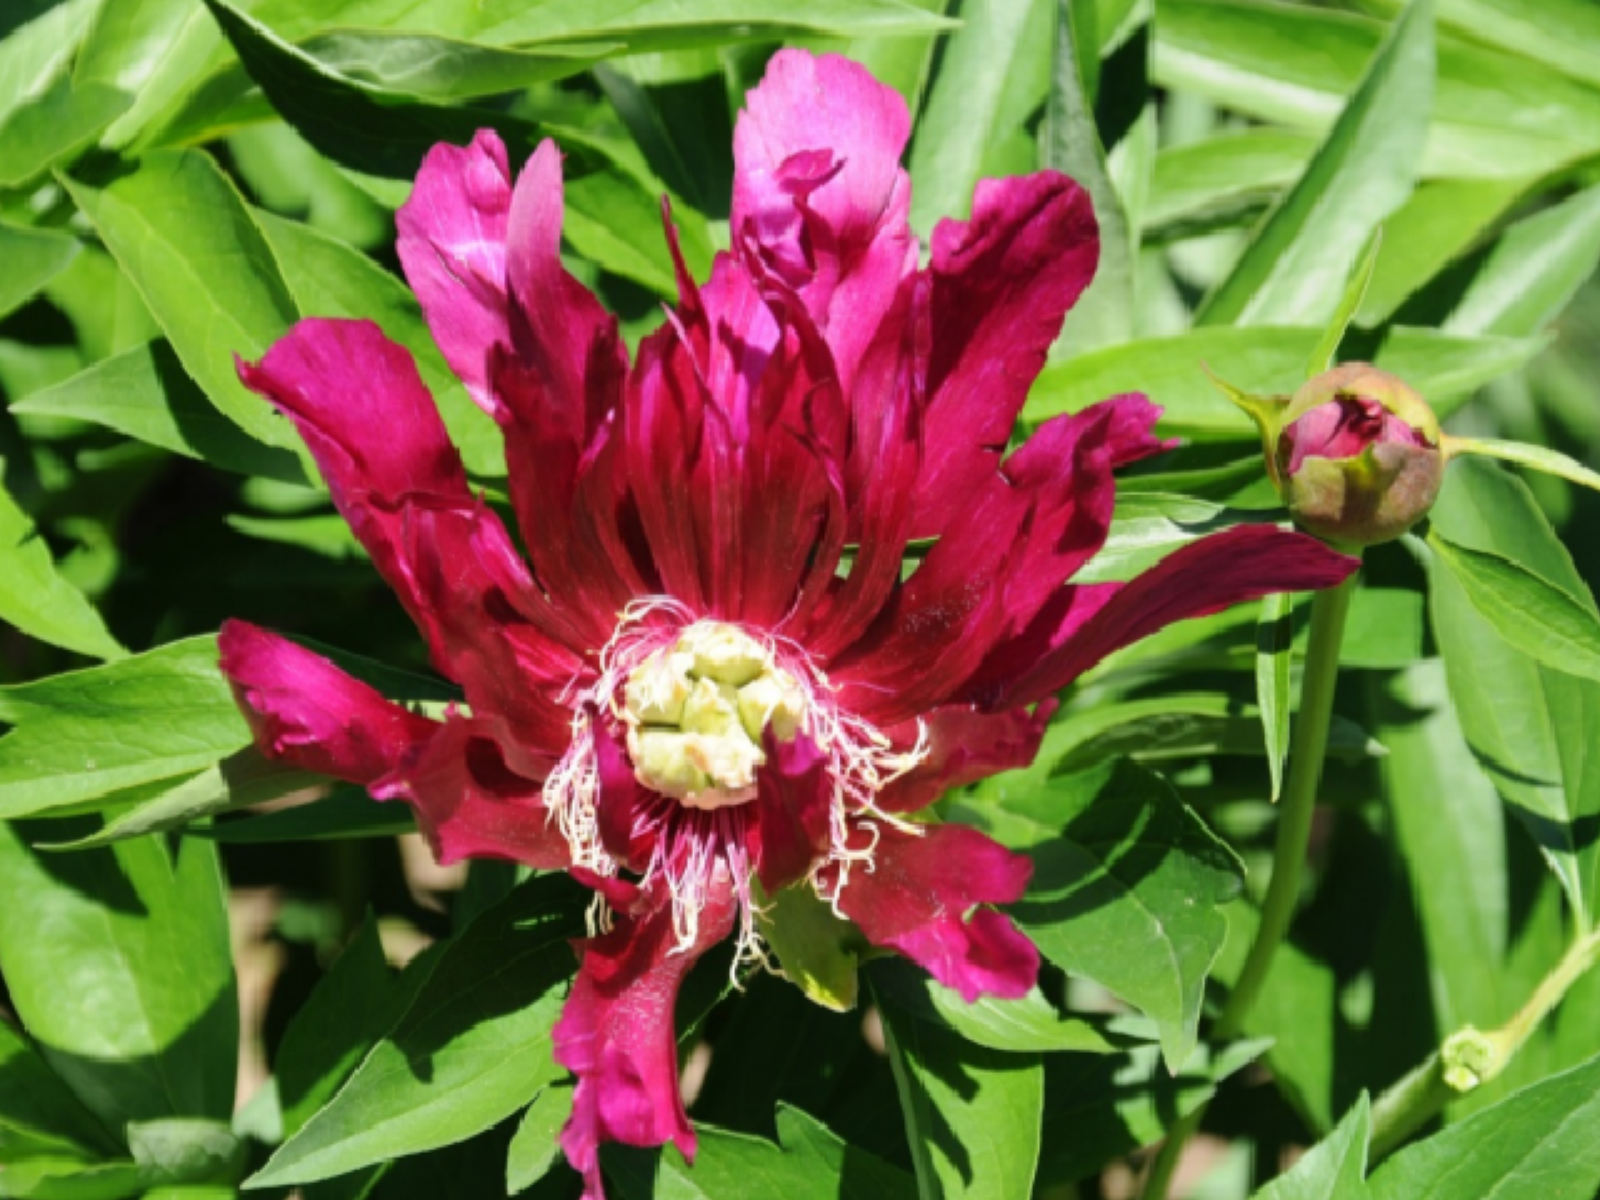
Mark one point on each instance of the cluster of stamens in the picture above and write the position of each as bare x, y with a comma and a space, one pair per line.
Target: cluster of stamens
694, 702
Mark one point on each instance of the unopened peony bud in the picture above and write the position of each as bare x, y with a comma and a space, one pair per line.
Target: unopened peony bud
1358, 457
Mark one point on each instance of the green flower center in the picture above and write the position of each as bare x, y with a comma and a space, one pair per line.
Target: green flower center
696, 711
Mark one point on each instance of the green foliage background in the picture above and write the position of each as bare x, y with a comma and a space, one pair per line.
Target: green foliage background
180, 181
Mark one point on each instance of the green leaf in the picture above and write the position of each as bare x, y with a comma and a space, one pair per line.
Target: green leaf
146, 394
534, 1146
1439, 224
1495, 115
1219, 181
439, 68
817, 952
54, 128
809, 1163
102, 305
1072, 144
39, 1111
1029, 1025
1102, 1108
184, 237
33, 257
1534, 270
85, 734
1451, 834
118, 963
328, 278
1539, 458
972, 1114
352, 1007
1535, 1145
37, 599
1300, 256
1128, 895
238, 781
1274, 657
68, 1179
1147, 526
1263, 360
185, 1150
1355, 290
1538, 617
326, 534
1530, 725
993, 74
669, 24
472, 1048
1564, 34
1333, 1169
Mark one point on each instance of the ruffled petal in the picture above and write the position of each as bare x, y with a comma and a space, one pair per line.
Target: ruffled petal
1001, 284
819, 195
469, 804
791, 816
306, 711
964, 746
916, 898
452, 244
1243, 563
405, 496
616, 1032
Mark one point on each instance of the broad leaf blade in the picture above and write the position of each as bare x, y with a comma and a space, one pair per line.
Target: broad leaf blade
1299, 257
37, 599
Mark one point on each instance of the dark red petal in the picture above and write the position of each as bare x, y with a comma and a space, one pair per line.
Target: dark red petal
916, 896
791, 813
558, 378
626, 810
616, 1032
820, 197
1001, 285
964, 746
1243, 563
452, 244
306, 711
469, 804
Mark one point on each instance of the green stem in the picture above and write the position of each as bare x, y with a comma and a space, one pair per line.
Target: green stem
1470, 1058
1306, 753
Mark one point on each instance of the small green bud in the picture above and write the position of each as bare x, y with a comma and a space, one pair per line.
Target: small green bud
1357, 456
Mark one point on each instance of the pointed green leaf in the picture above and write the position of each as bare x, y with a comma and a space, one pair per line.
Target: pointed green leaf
1543, 620
33, 257
1333, 1169
972, 1114
1299, 257
91, 947
1129, 895
1274, 657
472, 1048
1355, 290
37, 599
146, 393
86, 734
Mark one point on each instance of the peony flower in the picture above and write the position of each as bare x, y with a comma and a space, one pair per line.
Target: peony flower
709, 681
1358, 456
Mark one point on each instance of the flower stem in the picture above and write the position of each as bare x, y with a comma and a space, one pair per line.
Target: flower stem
1470, 1058
1306, 753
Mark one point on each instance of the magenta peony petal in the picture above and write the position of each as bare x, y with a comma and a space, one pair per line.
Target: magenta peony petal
558, 379
1001, 285
916, 897
453, 246
616, 1032
791, 816
964, 746
1243, 563
306, 711
405, 496
469, 804
820, 197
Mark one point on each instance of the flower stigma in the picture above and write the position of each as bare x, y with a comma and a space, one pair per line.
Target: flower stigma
691, 700
696, 710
